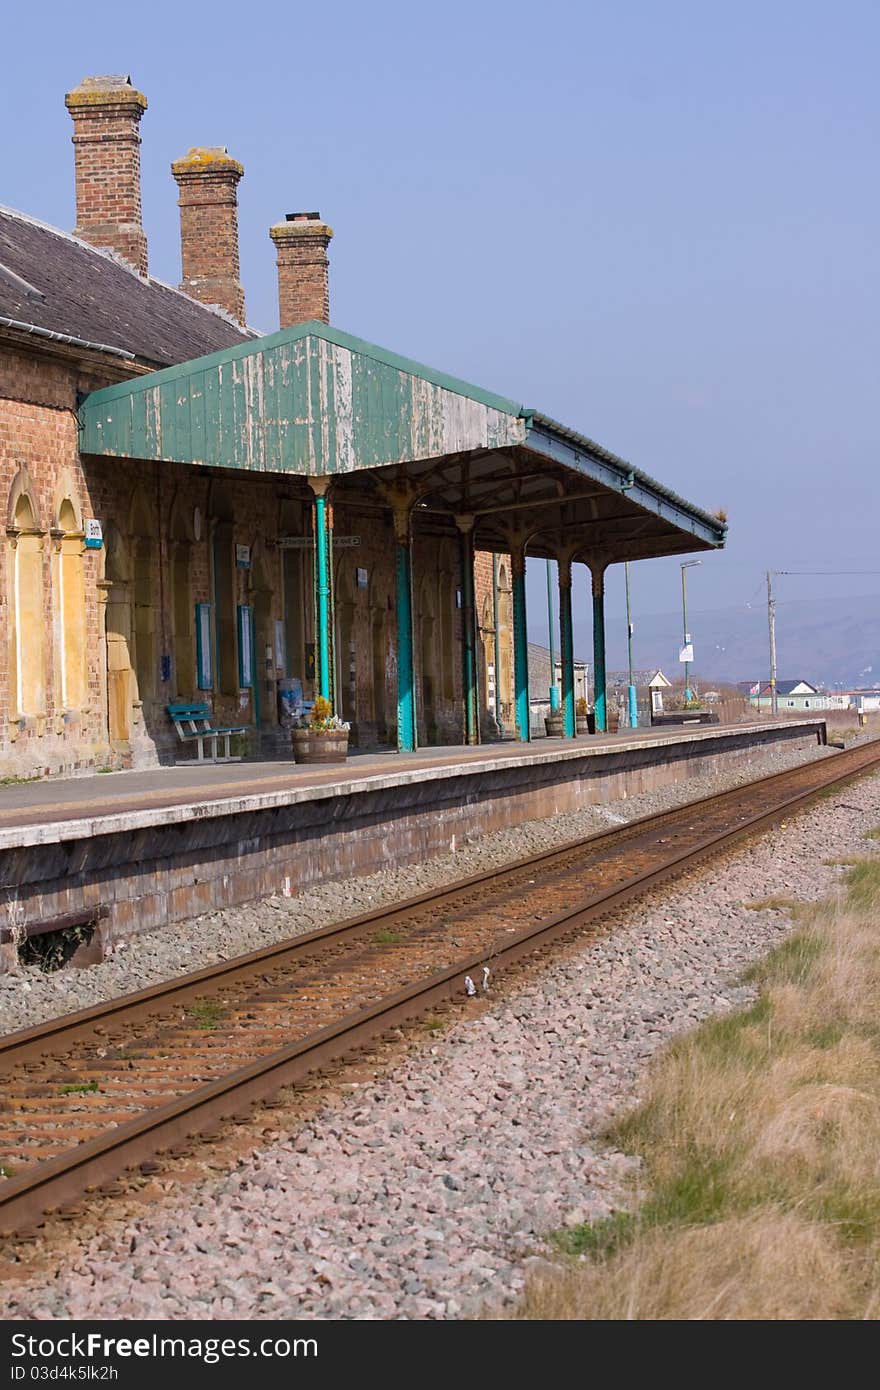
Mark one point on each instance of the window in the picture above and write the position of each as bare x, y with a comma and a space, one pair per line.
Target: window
71, 611
27, 620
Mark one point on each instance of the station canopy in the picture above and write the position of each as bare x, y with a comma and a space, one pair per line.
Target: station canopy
312, 401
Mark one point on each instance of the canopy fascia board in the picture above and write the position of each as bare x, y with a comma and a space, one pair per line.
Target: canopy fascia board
563, 447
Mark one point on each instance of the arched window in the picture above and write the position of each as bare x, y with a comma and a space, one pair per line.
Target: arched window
27, 622
144, 598
182, 611
379, 650
120, 671
346, 641
295, 596
428, 656
224, 585
447, 634
487, 636
71, 598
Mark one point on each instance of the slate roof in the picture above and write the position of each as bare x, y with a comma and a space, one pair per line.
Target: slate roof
56, 282
782, 687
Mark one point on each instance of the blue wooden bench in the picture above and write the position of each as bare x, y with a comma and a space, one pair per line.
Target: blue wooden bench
193, 725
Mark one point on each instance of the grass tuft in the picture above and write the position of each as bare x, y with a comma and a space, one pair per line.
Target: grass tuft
207, 1013
758, 1139
385, 937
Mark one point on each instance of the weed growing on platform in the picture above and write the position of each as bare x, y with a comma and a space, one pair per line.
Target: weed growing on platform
758, 1137
207, 1013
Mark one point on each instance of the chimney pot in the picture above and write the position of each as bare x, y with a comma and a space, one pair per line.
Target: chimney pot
106, 113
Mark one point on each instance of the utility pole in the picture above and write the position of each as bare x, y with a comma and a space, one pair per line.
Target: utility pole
554, 688
633, 701
771, 623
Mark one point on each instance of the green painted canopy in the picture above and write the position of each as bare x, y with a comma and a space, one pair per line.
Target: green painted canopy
312, 401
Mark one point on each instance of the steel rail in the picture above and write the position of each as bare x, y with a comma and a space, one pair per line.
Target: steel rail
25, 1201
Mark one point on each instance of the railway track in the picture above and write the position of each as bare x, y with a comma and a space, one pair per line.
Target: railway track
127, 1083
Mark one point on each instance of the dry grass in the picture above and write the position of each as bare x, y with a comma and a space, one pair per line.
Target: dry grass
760, 1142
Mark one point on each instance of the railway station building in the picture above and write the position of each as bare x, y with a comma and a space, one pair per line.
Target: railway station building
195, 511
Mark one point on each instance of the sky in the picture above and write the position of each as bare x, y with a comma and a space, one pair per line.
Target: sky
658, 223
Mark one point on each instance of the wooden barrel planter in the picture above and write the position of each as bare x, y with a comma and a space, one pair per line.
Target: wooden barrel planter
319, 746
554, 724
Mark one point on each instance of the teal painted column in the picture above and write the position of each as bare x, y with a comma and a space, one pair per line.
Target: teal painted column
323, 637
569, 727
520, 644
465, 525
599, 696
406, 684
497, 642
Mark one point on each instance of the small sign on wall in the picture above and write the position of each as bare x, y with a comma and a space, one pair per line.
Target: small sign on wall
363, 579
243, 557
94, 533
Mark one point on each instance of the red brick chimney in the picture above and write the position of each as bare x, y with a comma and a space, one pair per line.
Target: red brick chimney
106, 113
303, 285
208, 180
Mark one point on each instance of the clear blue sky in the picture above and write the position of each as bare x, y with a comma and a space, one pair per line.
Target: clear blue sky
657, 222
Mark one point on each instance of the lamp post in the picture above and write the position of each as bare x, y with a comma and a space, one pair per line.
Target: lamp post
631, 693
686, 565
554, 688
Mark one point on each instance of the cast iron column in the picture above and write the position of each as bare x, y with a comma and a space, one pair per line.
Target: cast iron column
323, 632
569, 725
406, 686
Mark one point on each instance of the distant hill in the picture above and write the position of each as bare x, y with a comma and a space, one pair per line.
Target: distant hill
826, 641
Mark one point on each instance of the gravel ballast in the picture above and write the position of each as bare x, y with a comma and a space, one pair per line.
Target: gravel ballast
426, 1193
29, 996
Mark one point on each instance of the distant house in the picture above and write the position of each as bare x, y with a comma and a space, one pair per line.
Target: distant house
791, 695
865, 701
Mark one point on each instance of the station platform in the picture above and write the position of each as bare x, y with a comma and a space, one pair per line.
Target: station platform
146, 848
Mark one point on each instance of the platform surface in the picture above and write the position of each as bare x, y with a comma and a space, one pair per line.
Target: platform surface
53, 808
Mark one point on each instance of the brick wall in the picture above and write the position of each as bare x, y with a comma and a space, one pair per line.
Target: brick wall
158, 522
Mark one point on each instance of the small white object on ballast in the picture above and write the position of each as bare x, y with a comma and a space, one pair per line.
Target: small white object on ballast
469, 987
486, 976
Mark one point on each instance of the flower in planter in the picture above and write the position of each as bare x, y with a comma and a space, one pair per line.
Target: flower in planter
322, 720
581, 708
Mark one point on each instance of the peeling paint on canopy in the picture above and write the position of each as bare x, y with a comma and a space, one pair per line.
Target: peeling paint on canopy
309, 400
313, 401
